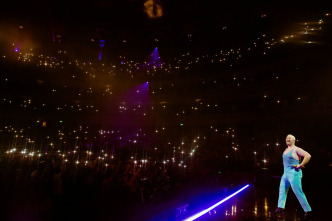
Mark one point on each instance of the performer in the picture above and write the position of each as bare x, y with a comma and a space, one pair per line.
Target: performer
292, 177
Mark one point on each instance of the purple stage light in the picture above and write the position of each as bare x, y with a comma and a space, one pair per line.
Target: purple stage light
101, 44
197, 215
154, 60
137, 101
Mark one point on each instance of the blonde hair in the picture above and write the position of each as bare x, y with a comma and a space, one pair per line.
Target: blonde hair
292, 136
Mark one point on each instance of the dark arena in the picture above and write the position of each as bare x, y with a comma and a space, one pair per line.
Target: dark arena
165, 110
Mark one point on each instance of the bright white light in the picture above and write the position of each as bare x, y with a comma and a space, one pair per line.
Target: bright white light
197, 215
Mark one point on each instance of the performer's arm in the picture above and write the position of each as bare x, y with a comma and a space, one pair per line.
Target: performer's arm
304, 154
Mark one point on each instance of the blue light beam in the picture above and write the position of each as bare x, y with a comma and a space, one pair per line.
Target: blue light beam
197, 215
101, 44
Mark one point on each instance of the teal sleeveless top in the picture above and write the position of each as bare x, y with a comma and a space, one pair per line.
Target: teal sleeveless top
289, 160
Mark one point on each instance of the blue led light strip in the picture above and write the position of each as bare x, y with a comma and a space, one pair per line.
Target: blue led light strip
193, 217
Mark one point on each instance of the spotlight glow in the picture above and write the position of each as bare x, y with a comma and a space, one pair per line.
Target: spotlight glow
197, 215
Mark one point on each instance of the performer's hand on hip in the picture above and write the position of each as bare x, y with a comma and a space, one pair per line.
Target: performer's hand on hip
297, 166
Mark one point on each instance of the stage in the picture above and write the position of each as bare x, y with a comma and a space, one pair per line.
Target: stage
255, 200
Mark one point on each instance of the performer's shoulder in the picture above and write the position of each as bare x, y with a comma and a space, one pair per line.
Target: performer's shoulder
300, 151
297, 148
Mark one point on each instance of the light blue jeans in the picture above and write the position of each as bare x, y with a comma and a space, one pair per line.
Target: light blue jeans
292, 178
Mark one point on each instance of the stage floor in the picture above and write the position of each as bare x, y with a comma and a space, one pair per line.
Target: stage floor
257, 202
